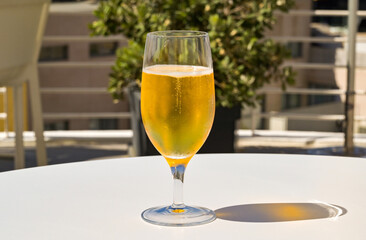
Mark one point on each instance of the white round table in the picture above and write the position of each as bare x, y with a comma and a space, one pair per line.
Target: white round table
255, 196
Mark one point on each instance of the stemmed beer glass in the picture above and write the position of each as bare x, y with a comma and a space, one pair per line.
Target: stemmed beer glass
178, 107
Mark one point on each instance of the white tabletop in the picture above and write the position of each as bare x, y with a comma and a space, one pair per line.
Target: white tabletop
256, 196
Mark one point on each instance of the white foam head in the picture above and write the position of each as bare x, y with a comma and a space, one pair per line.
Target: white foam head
178, 70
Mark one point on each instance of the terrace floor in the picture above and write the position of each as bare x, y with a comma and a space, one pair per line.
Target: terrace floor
76, 146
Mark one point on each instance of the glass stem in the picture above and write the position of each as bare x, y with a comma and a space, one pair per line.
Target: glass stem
178, 177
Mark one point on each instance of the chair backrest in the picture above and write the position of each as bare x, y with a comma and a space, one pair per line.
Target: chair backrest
22, 23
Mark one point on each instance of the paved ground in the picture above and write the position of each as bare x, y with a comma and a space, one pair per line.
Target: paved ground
74, 147
65, 154
332, 151
77, 153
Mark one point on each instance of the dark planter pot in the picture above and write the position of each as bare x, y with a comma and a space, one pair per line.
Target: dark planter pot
222, 136
220, 140
140, 140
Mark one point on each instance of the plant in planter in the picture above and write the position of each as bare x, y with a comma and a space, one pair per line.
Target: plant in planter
243, 59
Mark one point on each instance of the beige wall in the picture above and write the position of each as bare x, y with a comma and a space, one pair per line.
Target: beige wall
317, 125
52, 77
338, 77
290, 26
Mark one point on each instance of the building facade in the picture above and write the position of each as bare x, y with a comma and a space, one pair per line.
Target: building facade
69, 48
70, 59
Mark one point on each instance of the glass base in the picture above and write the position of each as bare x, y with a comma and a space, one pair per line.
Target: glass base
178, 217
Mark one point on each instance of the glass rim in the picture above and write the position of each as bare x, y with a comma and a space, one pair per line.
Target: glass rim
178, 34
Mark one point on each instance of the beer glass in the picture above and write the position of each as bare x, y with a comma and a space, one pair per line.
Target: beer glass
177, 108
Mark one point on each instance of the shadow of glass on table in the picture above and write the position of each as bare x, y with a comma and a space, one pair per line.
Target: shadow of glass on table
279, 212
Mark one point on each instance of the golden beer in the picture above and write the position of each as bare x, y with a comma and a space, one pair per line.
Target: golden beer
177, 107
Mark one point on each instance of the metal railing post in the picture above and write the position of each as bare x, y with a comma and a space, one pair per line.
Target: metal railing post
351, 62
6, 120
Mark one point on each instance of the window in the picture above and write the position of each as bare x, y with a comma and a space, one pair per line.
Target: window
335, 21
53, 53
319, 99
362, 26
295, 48
103, 49
291, 101
103, 124
62, 125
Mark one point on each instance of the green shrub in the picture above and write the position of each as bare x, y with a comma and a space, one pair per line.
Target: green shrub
243, 59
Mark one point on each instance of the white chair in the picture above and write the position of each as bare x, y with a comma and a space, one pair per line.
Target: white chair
22, 23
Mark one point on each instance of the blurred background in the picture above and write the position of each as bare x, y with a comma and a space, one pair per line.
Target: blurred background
82, 122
